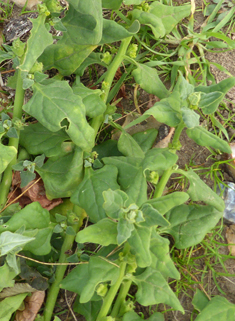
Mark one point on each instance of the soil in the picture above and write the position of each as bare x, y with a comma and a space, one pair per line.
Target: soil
194, 155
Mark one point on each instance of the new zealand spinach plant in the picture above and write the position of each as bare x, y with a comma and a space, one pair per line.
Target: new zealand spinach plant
105, 183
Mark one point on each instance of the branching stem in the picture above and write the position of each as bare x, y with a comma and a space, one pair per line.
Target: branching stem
113, 67
60, 270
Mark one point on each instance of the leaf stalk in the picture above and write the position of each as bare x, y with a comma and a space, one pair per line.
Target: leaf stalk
17, 113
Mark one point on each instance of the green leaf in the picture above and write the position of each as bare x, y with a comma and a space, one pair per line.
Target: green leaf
124, 229
204, 138
103, 232
190, 223
164, 203
137, 191
36, 221
154, 289
152, 216
183, 87
167, 110
65, 56
149, 19
26, 178
37, 139
128, 146
76, 280
132, 316
56, 98
149, 80
146, 138
140, 245
89, 310
61, 176
33, 216
99, 270
84, 22
35, 46
107, 148
41, 245
84, 25
127, 169
199, 191
89, 193
159, 159
111, 4
7, 276
112, 31
113, 202
223, 86
130, 2
130, 177
93, 58
161, 260
210, 102
190, 118
7, 153
200, 300
10, 242
219, 308
9, 305
169, 15
95, 106
6, 55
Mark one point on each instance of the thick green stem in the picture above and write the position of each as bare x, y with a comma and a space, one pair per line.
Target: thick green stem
121, 297
108, 300
113, 67
163, 181
17, 113
176, 138
166, 175
60, 271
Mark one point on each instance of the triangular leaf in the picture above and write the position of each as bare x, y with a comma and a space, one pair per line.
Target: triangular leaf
89, 192
56, 98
